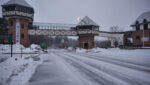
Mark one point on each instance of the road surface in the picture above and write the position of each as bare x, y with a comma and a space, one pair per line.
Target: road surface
70, 68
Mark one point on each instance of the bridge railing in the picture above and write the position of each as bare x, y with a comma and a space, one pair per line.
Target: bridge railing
51, 32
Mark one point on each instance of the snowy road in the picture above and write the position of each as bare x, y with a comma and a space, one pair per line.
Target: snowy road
70, 68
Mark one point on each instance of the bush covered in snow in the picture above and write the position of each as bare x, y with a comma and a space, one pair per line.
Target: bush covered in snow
18, 48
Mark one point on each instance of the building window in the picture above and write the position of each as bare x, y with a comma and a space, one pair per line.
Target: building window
137, 26
22, 25
3, 9
138, 37
145, 26
11, 23
145, 39
129, 40
22, 36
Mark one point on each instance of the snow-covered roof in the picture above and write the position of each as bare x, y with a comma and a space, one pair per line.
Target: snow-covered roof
54, 25
18, 2
87, 21
143, 16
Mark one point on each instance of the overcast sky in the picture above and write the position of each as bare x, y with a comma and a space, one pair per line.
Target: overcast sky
106, 13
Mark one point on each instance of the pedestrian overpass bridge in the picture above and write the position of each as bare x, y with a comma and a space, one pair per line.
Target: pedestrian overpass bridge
58, 32
57, 29
86, 29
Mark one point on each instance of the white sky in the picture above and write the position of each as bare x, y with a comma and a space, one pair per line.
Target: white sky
106, 13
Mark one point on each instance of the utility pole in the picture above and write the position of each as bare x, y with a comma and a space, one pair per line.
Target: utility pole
143, 37
21, 52
11, 45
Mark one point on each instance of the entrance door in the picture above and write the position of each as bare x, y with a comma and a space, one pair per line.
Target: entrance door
86, 45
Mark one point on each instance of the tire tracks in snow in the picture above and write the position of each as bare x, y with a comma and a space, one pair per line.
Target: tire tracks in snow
118, 62
119, 75
93, 73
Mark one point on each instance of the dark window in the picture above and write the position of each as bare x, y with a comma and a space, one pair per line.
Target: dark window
86, 45
22, 36
145, 26
137, 26
11, 23
3, 9
17, 8
138, 37
22, 25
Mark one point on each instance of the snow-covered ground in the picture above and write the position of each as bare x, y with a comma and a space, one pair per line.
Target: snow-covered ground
17, 48
140, 56
94, 67
80, 67
18, 69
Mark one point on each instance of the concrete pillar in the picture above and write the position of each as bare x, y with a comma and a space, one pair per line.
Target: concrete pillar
86, 39
112, 42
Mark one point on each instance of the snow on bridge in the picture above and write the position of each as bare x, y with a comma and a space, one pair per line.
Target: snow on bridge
62, 32
54, 29
58, 29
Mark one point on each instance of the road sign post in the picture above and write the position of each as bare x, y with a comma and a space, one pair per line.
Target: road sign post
11, 49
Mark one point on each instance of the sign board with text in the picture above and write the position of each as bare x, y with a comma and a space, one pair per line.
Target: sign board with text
5, 39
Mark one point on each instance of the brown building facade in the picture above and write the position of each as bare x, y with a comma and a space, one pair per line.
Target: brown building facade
19, 14
141, 38
140, 35
86, 40
24, 37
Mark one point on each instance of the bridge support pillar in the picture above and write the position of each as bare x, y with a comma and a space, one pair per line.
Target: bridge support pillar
86, 41
18, 20
19, 30
112, 42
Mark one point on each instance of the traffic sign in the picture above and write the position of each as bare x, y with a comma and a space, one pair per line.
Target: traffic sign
43, 45
6, 39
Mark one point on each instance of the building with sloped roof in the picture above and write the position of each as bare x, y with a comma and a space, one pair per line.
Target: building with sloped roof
87, 24
18, 2
19, 15
87, 21
140, 36
141, 18
87, 40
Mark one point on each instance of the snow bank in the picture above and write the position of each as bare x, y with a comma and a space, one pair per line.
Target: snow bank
115, 51
140, 56
17, 71
18, 48
35, 47
80, 50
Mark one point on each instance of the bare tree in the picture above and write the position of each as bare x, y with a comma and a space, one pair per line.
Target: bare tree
103, 44
58, 41
116, 29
